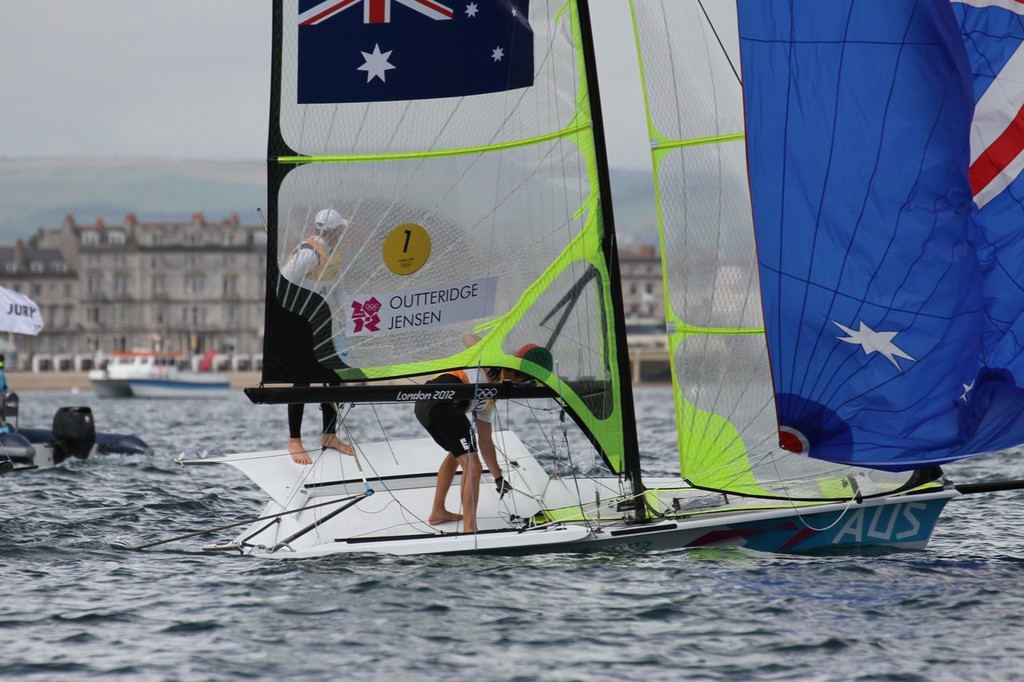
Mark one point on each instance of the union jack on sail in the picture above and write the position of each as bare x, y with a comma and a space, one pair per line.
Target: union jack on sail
997, 132
374, 11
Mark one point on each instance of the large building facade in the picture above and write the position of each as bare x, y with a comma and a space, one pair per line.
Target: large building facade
184, 287
190, 287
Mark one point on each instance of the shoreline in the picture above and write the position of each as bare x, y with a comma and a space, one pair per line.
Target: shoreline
79, 381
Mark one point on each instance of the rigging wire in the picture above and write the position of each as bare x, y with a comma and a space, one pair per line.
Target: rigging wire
721, 45
340, 423
380, 479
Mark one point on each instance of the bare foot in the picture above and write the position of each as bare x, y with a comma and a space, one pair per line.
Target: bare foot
443, 517
298, 451
331, 440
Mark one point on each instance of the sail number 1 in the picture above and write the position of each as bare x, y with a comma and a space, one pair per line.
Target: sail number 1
406, 248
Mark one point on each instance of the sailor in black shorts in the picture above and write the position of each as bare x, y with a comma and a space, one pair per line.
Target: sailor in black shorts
447, 423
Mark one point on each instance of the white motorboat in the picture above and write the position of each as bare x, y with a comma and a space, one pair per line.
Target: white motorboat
152, 374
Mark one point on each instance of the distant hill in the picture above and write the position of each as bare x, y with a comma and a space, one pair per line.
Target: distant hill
38, 193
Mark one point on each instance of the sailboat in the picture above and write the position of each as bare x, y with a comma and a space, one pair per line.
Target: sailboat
832, 339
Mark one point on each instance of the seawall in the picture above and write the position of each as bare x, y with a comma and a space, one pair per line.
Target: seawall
69, 381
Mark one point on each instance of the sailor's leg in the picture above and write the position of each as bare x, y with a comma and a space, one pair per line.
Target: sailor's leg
445, 476
470, 490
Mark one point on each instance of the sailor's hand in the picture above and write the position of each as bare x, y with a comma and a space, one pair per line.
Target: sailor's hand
502, 486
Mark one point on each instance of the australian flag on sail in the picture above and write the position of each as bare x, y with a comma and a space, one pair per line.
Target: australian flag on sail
389, 50
885, 146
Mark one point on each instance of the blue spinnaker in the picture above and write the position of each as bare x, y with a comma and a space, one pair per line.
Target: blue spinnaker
891, 291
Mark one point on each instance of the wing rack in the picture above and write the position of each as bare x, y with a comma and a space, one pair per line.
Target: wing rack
280, 395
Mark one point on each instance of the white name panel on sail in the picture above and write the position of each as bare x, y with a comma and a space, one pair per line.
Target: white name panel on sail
401, 311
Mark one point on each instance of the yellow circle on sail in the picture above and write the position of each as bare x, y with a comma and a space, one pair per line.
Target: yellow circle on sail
406, 248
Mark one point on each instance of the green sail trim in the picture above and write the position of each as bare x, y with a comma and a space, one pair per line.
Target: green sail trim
569, 131
712, 453
663, 143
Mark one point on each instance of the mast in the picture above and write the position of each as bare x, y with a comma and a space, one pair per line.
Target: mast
630, 444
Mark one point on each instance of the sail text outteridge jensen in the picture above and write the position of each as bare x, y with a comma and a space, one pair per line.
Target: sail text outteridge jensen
435, 296
397, 311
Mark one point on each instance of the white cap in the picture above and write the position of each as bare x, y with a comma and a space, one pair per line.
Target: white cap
328, 219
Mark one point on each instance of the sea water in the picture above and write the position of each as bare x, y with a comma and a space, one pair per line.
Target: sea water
79, 603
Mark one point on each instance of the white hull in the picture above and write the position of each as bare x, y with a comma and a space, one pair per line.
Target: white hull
322, 509
171, 384
194, 386
110, 388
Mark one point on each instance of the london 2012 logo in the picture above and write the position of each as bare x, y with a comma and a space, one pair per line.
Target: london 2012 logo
365, 315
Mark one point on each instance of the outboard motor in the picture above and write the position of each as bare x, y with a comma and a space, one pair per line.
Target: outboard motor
74, 433
9, 406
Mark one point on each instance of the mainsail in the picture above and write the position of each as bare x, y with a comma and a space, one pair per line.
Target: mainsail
884, 143
455, 146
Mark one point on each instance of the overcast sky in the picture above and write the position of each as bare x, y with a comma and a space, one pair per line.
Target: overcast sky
189, 79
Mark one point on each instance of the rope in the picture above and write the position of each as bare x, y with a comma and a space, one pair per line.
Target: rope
340, 423
250, 521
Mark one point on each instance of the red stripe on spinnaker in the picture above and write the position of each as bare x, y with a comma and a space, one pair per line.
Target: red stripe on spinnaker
999, 154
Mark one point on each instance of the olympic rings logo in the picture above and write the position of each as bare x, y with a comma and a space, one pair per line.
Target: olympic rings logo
486, 393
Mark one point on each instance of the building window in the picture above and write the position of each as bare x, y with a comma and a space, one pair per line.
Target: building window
194, 284
121, 285
230, 286
90, 238
116, 238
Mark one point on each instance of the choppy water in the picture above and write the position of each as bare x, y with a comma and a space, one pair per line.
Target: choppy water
77, 604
